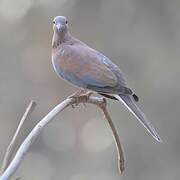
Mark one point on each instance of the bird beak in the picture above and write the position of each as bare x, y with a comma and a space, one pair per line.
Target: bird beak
59, 27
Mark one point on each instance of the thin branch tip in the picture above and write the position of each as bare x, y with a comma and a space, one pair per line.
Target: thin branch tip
10, 149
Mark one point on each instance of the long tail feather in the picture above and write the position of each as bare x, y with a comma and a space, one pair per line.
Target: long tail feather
129, 102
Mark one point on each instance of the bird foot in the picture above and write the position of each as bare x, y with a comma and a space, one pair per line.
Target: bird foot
81, 96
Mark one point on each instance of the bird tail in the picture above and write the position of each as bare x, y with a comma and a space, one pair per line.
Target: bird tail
129, 102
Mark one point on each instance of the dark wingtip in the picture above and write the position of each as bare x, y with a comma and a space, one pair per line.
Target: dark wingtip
136, 98
160, 140
157, 137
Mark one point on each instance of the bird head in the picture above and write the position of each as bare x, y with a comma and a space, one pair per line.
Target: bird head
61, 34
60, 25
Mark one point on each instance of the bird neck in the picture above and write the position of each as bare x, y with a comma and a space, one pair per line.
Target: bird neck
59, 39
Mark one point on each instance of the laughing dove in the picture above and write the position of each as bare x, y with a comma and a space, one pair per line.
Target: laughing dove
87, 68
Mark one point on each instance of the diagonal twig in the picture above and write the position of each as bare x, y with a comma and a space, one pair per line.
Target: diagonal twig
11, 147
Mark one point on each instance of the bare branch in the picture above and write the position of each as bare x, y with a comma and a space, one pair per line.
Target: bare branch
100, 102
116, 138
11, 147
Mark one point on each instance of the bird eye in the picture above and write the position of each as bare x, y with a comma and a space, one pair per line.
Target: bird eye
66, 21
53, 22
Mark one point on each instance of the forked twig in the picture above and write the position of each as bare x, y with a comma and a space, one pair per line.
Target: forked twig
100, 102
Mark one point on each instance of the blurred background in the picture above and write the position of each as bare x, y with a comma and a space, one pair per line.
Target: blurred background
143, 38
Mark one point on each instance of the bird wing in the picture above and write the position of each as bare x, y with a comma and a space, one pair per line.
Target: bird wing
113, 67
83, 64
121, 85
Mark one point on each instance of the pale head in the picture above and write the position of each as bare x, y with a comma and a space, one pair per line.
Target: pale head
60, 24
61, 34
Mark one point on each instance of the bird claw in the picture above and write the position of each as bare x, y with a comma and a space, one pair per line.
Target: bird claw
81, 96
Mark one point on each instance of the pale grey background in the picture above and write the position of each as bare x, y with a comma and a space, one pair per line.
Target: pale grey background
143, 38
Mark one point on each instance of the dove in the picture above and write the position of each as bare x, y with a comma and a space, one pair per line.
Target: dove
90, 70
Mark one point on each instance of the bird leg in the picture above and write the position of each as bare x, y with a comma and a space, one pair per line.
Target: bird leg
81, 96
